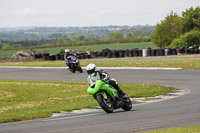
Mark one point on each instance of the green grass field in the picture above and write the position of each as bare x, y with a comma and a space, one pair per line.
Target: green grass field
117, 46
25, 100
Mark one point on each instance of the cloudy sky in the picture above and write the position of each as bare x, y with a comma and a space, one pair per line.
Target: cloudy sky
19, 13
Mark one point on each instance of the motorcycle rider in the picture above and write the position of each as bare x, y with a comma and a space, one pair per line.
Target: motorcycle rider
67, 57
99, 74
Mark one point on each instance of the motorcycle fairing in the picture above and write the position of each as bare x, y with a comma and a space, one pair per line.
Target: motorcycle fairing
96, 87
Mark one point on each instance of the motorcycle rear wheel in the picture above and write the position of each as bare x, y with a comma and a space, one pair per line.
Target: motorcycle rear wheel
127, 105
107, 107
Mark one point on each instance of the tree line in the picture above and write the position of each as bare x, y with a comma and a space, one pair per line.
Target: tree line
178, 31
144, 39
58, 39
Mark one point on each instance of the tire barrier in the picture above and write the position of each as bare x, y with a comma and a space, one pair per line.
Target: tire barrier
127, 52
153, 52
45, 56
62, 57
58, 56
38, 56
107, 53
52, 57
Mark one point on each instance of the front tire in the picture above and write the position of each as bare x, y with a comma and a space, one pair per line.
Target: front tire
73, 69
127, 105
80, 69
107, 107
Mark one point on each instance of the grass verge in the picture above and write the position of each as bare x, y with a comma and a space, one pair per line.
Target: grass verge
25, 100
193, 129
188, 64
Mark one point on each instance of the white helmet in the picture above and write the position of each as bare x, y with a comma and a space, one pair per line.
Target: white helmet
91, 68
67, 50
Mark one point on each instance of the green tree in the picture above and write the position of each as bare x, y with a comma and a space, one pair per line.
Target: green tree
6, 46
188, 39
81, 37
66, 38
92, 38
115, 36
129, 36
60, 41
191, 19
138, 34
169, 29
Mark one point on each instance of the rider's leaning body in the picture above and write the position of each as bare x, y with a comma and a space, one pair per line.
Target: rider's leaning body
67, 57
99, 74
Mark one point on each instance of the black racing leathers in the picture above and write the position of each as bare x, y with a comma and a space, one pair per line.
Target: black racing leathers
67, 58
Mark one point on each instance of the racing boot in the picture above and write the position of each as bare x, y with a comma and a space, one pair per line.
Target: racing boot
122, 93
116, 86
124, 96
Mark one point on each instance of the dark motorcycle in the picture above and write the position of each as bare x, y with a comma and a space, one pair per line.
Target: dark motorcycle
74, 64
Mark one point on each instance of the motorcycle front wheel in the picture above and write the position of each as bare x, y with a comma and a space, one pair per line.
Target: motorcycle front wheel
80, 69
106, 106
73, 70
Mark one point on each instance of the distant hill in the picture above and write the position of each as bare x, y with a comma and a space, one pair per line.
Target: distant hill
37, 33
15, 28
36, 36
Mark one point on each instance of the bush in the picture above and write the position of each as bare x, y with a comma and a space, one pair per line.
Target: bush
188, 39
62, 50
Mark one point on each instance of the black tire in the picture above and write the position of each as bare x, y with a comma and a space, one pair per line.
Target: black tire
81, 70
73, 70
127, 105
107, 107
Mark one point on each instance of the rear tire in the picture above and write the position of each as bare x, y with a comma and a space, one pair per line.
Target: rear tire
127, 105
107, 107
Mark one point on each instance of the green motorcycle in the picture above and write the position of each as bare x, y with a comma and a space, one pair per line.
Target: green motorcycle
108, 97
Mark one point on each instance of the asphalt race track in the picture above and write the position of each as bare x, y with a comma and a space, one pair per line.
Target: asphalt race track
176, 112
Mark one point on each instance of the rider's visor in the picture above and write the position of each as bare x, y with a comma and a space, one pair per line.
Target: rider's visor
91, 71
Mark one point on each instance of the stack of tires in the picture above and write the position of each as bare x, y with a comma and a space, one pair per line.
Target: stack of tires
172, 51
52, 57
45, 56
147, 52
58, 56
135, 52
38, 56
124, 53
